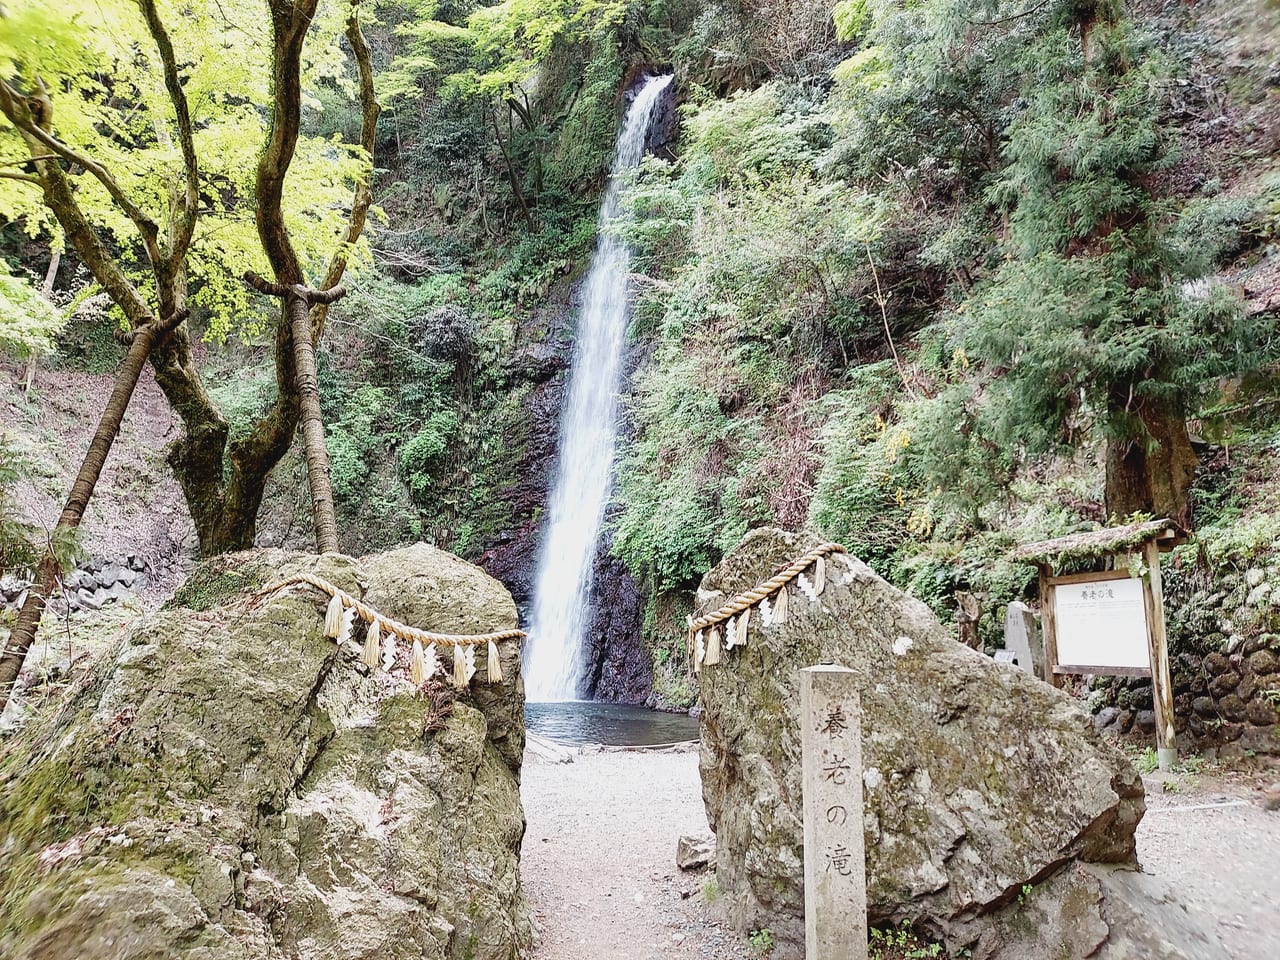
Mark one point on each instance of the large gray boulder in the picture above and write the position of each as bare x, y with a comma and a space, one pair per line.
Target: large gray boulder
230, 784
979, 780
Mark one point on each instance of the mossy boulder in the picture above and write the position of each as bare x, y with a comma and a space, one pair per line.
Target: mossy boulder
230, 784
978, 779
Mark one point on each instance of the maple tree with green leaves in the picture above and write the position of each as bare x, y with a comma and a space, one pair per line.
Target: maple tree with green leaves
164, 146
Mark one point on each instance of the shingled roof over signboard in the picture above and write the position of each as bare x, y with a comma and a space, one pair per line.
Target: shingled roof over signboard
1100, 543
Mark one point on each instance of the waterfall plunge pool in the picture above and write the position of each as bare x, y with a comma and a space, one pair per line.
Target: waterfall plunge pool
611, 724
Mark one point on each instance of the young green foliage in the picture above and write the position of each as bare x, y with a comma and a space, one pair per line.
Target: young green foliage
109, 102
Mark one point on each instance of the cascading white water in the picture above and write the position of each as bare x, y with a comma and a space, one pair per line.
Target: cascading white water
588, 433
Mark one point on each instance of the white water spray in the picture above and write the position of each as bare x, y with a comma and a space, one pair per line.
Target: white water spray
588, 433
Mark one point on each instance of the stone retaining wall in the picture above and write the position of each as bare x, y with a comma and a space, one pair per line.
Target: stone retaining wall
92, 586
1224, 644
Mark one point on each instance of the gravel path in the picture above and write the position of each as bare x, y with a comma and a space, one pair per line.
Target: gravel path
1224, 860
598, 860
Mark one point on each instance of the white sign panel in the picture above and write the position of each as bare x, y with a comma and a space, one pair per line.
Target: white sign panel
1102, 623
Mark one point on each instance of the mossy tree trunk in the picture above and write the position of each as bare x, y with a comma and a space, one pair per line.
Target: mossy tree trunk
1153, 471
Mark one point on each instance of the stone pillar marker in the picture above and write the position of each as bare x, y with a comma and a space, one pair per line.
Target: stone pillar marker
1022, 636
835, 873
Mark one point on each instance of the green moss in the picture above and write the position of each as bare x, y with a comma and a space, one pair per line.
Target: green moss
213, 583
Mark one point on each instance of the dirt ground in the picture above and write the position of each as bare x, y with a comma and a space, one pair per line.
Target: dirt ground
599, 859
137, 507
1221, 850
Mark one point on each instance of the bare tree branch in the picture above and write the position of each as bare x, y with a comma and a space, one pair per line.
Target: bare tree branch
184, 224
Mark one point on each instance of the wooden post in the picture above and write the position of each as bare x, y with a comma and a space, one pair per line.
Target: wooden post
1161, 684
835, 871
1049, 626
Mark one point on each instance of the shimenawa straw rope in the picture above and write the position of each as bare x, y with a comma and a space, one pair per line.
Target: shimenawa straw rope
707, 649
344, 608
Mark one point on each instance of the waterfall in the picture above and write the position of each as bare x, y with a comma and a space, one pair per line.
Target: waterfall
588, 433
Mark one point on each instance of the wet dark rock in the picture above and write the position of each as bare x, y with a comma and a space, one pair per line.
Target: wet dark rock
1223, 684
1231, 707
1261, 641
619, 667
664, 125
1260, 712
1106, 717
1215, 663
1261, 740
1248, 687
1140, 697
1264, 661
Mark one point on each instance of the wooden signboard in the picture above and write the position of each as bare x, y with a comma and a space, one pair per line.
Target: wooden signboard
1112, 624
1101, 621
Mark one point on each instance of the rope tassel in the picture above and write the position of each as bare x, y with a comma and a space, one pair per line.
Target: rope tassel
372, 646
744, 619
780, 606
713, 648
333, 617
819, 575
418, 665
495, 664
459, 668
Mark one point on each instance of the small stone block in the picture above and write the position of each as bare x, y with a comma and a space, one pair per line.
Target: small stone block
693, 853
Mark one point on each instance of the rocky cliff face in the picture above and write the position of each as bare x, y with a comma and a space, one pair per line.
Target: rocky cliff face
621, 668
230, 784
979, 781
